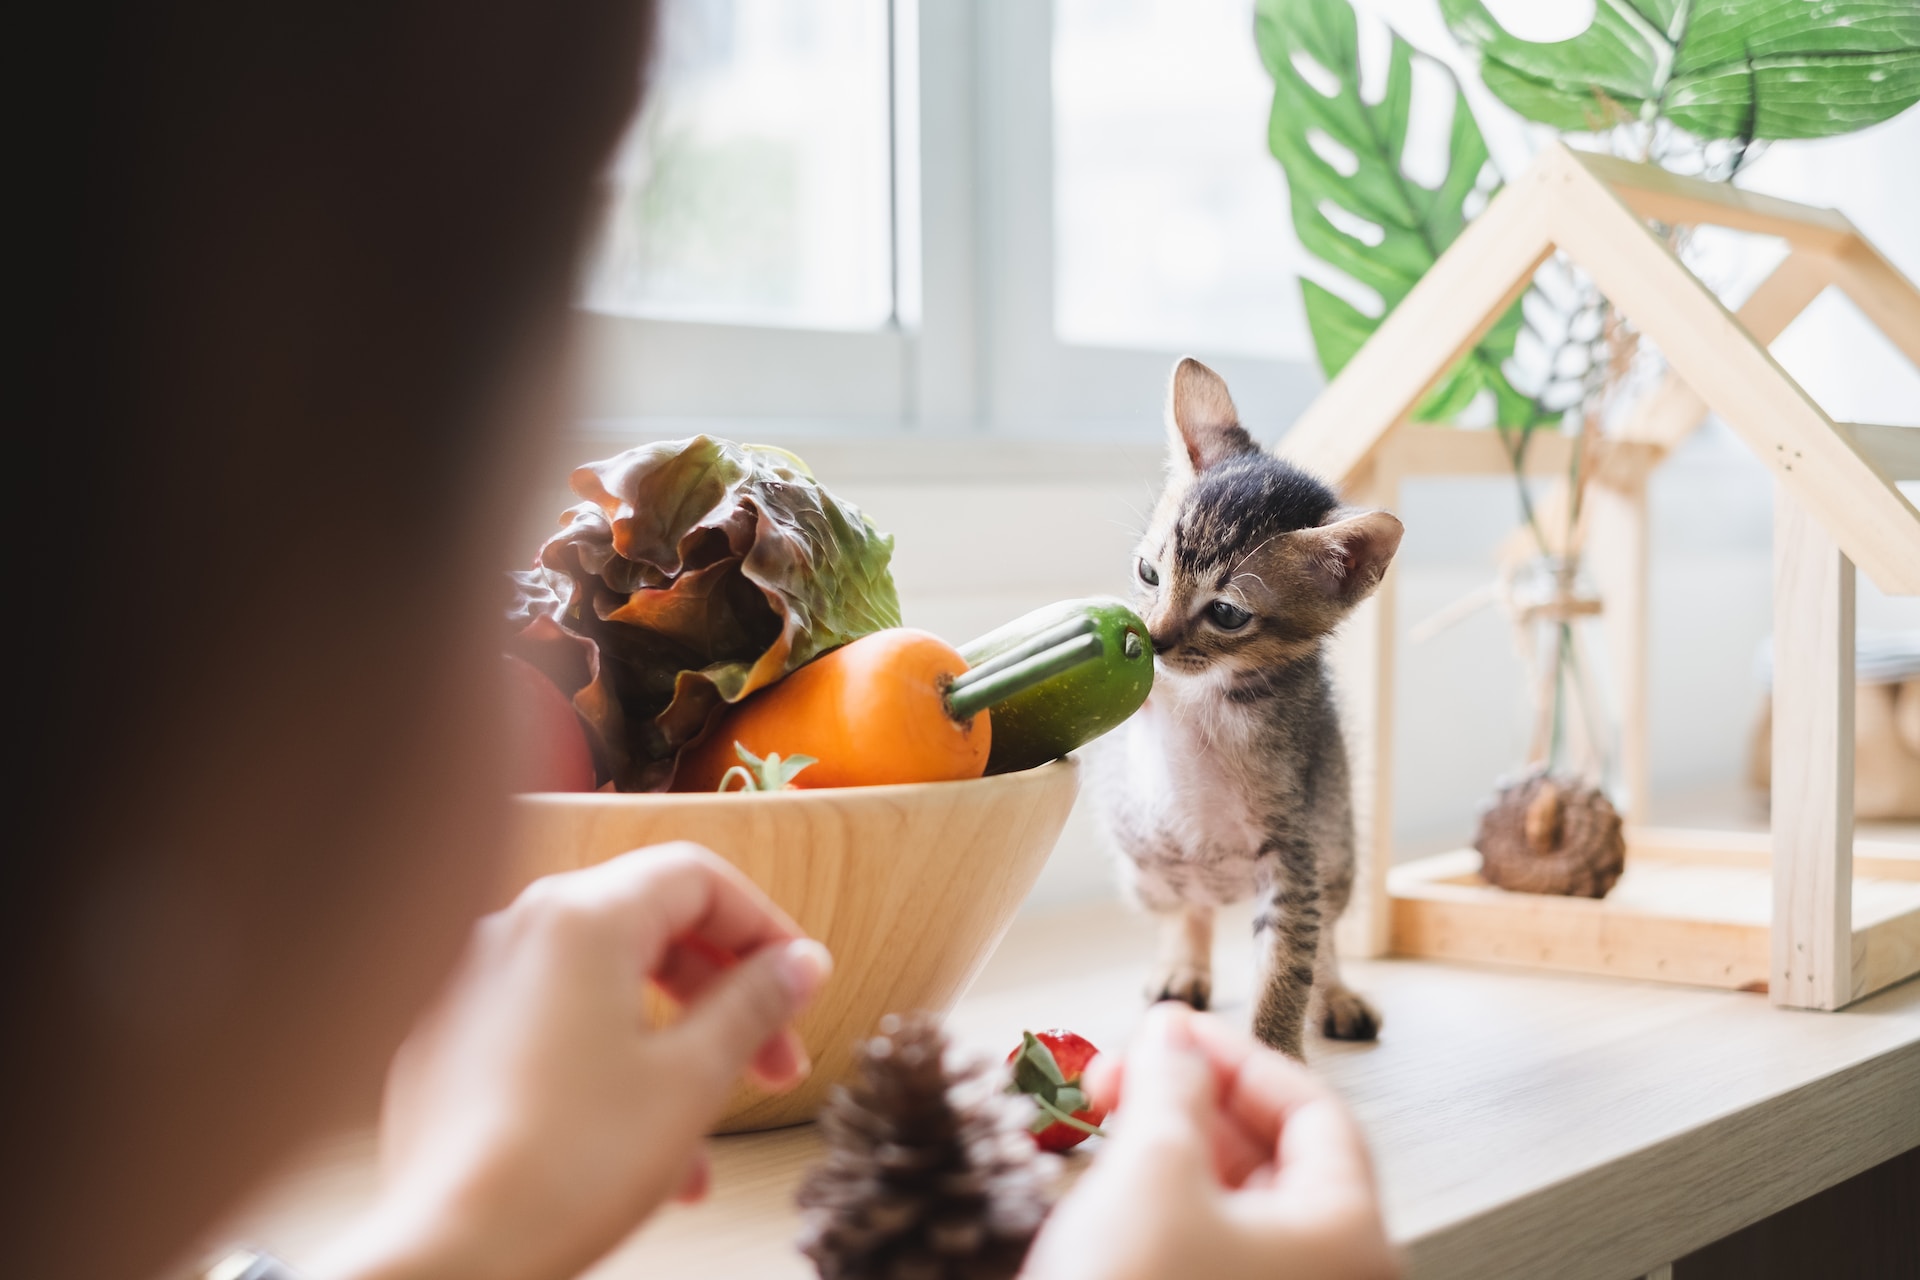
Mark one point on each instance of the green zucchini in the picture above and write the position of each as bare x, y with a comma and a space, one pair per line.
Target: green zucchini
1056, 679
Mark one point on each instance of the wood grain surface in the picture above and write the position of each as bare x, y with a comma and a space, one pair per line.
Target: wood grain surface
910, 887
1813, 741
1524, 1124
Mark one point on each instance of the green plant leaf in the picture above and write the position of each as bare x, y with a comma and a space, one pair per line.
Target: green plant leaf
1415, 224
1717, 68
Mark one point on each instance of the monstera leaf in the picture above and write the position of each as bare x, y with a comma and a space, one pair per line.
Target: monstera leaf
1365, 182
1716, 68
695, 572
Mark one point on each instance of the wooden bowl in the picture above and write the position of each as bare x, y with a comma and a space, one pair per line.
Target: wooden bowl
910, 887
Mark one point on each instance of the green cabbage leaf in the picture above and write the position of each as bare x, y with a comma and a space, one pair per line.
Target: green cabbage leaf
695, 572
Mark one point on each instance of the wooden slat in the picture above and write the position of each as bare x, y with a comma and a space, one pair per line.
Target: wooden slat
1457, 301
1652, 192
1454, 921
1869, 518
1894, 451
1872, 859
1417, 450
1886, 952
1669, 413
1882, 293
1813, 597
1616, 554
1363, 665
1699, 917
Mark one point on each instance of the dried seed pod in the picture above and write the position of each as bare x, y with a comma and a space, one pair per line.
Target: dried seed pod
929, 1169
1547, 834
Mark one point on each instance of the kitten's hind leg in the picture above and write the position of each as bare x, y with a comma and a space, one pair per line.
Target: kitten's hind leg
1340, 1012
1185, 968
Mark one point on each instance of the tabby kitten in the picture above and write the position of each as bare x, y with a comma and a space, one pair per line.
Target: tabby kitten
1232, 781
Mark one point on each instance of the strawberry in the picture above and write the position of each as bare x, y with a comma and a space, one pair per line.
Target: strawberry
550, 751
1047, 1068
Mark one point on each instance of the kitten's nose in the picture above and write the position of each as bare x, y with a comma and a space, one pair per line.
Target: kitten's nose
1162, 644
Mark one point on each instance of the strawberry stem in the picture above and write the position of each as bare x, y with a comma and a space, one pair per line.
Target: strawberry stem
1067, 1117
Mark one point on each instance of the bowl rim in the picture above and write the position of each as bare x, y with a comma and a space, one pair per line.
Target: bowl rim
1065, 766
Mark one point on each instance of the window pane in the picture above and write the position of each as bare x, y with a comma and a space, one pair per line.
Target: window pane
1171, 228
756, 186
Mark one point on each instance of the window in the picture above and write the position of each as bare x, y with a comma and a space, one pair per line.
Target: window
1003, 216
1171, 227
757, 185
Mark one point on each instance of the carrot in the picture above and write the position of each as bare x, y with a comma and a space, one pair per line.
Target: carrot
870, 712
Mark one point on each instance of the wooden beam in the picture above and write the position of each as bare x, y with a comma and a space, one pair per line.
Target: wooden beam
1883, 295
1440, 319
1872, 859
1813, 638
1886, 952
1616, 554
1416, 450
1363, 671
1870, 519
1894, 451
1652, 192
1669, 413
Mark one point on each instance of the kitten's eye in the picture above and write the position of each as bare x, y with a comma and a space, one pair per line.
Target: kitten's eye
1227, 617
1148, 574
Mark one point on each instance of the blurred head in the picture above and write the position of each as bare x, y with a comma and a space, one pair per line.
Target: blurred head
1248, 562
299, 287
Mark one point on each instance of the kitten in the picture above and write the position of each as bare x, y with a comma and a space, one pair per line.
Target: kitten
1232, 780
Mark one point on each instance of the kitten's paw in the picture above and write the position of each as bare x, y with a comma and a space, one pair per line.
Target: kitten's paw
1188, 985
1345, 1015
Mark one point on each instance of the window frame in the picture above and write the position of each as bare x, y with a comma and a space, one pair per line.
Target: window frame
972, 348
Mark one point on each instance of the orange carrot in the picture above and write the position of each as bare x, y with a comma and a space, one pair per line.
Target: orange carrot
870, 712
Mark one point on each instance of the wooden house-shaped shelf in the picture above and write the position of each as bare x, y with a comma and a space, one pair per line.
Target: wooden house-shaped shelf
1808, 915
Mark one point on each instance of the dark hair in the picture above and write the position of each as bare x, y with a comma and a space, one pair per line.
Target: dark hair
276, 257
275, 265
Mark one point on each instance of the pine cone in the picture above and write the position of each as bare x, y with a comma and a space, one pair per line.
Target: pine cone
930, 1173
1544, 834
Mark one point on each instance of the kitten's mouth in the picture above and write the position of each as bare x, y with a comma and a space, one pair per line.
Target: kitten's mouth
1166, 666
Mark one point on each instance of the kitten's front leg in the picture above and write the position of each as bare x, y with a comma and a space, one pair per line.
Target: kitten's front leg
1342, 1012
1286, 934
1185, 971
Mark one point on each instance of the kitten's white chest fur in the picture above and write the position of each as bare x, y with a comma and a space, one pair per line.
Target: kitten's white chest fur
1174, 778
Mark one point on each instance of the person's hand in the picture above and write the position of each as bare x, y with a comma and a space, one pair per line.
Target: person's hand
1227, 1161
534, 1118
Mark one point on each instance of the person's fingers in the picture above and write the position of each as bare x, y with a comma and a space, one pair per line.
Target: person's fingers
1103, 1079
1260, 1088
1237, 1154
740, 1014
658, 895
782, 1061
692, 965
1322, 1150
689, 967
1169, 1094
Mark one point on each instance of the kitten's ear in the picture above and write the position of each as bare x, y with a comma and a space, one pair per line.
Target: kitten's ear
1348, 557
1203, 427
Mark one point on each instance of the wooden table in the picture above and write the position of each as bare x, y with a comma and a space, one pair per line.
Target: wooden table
1525, 1125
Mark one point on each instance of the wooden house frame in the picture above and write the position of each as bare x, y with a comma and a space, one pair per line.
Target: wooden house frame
1831, 921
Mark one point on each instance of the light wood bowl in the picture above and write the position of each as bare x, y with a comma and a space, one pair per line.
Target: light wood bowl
910, 887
